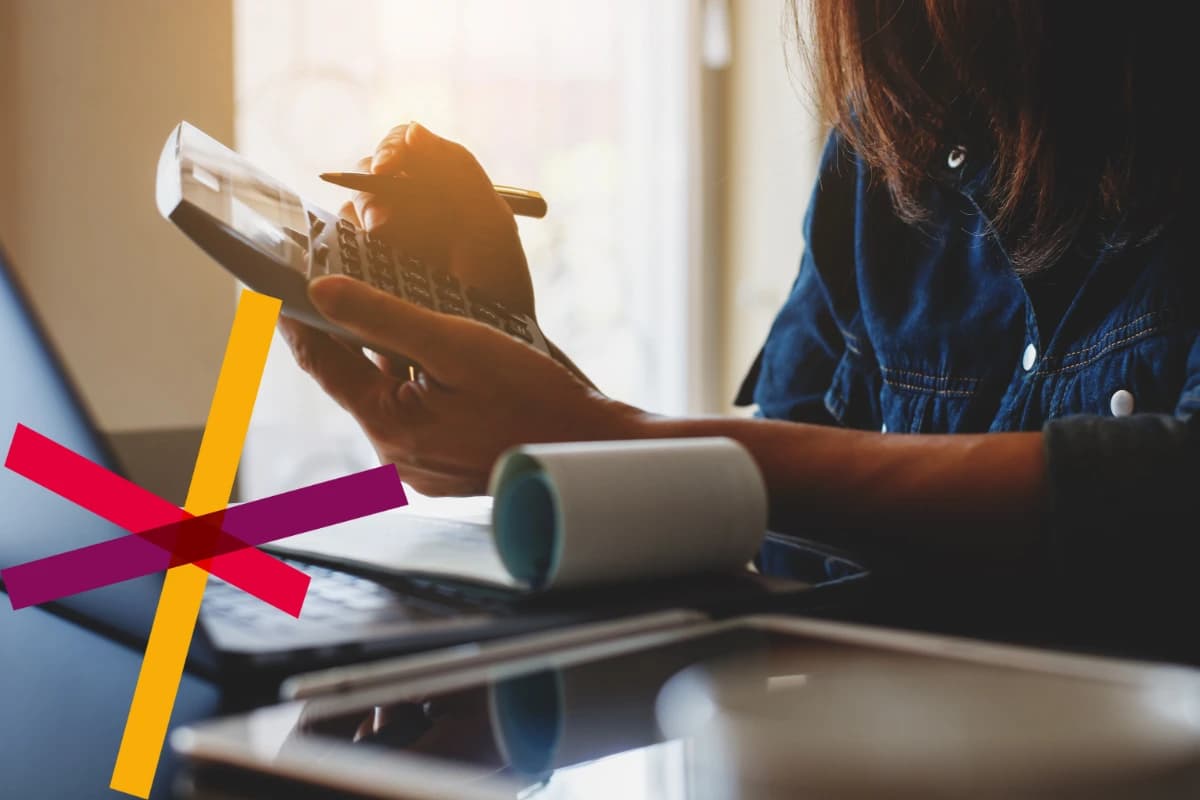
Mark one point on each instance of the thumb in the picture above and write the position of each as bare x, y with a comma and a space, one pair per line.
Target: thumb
440, 343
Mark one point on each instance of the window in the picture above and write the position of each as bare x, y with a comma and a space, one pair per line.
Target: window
590, 103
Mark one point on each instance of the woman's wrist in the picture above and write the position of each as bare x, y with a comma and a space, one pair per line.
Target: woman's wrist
621, 421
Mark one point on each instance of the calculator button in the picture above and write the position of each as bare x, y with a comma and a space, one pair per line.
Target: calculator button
349, 253
445, 280
485, 315
380, 257
384, 279
296, 236
449, 296
416, 280
315, 225
452, 307
518, 329
382, 273
420, 296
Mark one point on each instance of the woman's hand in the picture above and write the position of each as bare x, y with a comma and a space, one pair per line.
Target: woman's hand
480, 391
452, 218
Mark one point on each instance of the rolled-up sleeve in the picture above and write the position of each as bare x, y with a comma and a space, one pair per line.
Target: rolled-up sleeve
1110, 478
1125, 502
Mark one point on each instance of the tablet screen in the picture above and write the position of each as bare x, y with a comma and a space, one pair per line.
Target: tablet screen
737, 711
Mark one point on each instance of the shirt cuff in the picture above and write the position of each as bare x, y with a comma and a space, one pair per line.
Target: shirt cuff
1124, 497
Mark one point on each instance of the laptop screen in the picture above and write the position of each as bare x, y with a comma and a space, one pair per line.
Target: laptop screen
35, 391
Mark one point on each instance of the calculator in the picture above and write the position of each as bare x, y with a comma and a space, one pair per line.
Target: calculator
275, 242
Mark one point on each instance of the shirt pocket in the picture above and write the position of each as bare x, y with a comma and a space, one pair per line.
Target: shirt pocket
920, 401
1148, 375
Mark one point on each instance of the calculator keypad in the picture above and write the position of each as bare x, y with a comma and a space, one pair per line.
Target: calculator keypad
349, 250
381, 270
419, 296
360, 255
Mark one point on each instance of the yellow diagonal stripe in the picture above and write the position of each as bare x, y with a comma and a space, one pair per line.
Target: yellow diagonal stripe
183, 589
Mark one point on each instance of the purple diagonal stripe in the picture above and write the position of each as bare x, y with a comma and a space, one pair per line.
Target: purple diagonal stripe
200, 538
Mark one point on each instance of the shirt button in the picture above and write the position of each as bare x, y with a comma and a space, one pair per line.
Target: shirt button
1029, 357
957, 157
1121, 403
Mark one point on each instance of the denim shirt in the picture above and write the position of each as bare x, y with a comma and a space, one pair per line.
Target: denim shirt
927, 328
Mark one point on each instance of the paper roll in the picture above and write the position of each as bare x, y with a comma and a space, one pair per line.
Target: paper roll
591, 512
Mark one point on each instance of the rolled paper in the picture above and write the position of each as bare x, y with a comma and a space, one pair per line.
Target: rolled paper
582, 513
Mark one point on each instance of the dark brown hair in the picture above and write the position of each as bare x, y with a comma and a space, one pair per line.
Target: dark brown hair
1078, 105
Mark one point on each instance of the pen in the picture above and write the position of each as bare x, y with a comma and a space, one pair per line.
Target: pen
525, 202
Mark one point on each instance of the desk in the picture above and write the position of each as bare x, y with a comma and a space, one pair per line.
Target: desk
65, 690
64, 695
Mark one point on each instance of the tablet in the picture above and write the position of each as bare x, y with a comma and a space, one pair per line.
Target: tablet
765, 706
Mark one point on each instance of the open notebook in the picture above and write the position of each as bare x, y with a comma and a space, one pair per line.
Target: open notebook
571, 515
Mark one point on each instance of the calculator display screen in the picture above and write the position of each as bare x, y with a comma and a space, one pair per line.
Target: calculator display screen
262, 211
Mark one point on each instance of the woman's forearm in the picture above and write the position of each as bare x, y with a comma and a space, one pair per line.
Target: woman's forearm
977, 496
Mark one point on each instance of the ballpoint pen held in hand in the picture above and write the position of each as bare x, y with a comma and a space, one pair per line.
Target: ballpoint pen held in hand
525, 202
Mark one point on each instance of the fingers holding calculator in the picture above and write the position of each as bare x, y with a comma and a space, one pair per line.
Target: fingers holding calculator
448, 213
447, 244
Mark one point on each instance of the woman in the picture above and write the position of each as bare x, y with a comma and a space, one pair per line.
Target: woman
997, 248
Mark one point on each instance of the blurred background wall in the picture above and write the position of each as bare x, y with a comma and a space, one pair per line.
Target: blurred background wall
674, 144
773, 141
91, 90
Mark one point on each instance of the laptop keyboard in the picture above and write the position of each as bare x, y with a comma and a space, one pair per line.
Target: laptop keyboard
334, 597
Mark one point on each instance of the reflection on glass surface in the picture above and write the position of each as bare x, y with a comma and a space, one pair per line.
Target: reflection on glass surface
589, 730
645, 773
744, 713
